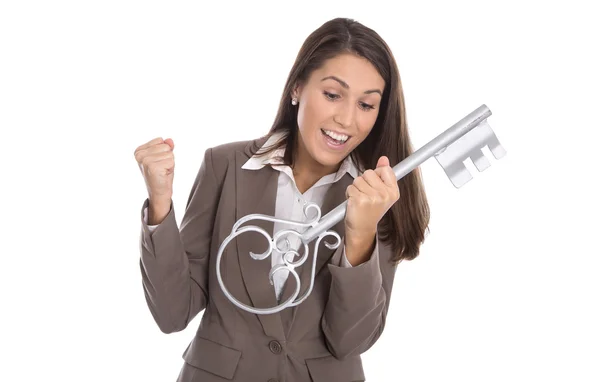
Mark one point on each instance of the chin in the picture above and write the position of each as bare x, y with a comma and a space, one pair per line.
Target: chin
326, 159
324, 154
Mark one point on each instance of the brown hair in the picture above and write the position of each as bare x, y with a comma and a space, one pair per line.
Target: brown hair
404, 224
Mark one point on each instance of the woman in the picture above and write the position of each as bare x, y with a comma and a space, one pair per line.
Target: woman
341, 123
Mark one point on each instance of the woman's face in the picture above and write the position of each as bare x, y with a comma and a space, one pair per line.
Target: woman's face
337, 108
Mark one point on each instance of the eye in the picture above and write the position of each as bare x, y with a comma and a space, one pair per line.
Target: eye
330, 96
366, 106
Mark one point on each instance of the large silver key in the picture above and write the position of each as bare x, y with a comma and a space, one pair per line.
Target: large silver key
461, 141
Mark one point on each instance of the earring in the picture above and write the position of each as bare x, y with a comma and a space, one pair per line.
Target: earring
294, 101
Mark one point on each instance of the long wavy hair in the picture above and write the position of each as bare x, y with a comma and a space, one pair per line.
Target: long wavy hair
404, 225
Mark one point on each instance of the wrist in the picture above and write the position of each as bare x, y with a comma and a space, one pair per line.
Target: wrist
360, 236
158, 210
359, 247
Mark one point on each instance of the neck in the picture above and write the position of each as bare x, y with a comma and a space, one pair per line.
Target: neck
308, 171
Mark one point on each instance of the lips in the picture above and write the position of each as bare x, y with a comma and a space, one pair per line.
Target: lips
333, 143
339, 137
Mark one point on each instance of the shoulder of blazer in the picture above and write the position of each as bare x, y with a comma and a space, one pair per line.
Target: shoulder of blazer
223, 154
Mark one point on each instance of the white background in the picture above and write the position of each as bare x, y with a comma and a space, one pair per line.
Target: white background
506, 287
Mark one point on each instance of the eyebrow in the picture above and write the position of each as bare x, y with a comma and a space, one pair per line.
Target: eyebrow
346, 86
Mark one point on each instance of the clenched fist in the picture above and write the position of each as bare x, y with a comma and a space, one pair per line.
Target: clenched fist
157, 164
370, 196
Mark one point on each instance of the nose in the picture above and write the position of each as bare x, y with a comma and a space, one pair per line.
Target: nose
345, 115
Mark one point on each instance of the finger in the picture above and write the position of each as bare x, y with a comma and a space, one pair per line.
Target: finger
152, 151
374, 180
376, 190
167, 155
150, 143
352, 191
363, 186
159, 148
383, 161
387, 176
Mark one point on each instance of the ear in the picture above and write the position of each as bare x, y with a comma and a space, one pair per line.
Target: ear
297, 91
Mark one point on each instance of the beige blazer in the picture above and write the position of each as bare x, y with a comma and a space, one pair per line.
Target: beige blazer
320, 340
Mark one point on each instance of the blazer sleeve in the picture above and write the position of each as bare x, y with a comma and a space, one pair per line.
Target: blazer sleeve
359, 299
173, 261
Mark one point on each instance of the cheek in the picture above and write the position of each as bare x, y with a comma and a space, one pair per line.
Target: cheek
366, 124
309, 116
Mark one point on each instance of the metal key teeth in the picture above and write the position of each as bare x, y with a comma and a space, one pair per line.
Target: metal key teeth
495, 147
469, 146
458, 174
479, 160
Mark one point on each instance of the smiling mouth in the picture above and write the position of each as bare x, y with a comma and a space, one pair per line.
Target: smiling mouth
335, 138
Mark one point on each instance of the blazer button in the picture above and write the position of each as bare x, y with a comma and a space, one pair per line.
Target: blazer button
275, 347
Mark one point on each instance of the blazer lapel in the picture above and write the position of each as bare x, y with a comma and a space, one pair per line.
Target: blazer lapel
256, 194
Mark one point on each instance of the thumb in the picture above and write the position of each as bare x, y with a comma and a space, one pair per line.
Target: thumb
383, 161
170, 142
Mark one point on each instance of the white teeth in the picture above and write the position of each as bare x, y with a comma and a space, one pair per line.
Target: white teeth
336, 136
